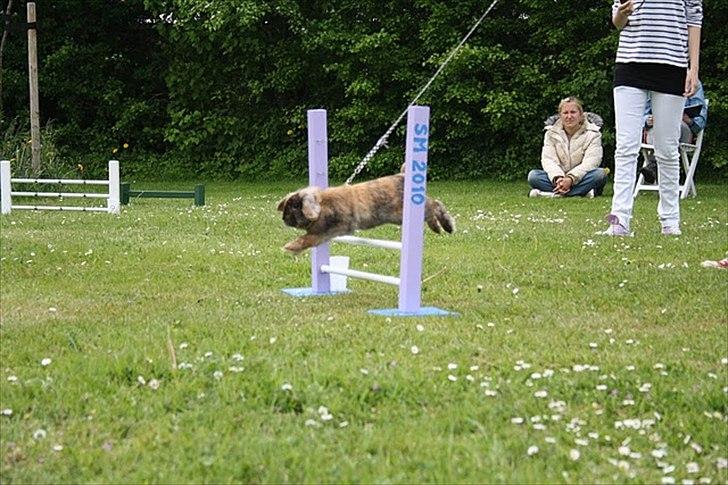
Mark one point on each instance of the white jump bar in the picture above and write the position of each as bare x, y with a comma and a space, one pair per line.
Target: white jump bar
60, 194
60, 181
60, 208
372, 243
390, 280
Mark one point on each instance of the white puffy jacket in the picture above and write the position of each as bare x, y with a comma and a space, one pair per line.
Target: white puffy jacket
562, 156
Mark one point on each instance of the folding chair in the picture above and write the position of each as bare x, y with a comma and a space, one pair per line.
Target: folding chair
689, 155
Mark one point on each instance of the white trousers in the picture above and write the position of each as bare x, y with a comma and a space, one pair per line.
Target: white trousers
629, 108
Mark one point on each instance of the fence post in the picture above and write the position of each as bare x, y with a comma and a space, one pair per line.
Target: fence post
318, 176
199, 195
6, 201
114, 202
33, 88
125, 188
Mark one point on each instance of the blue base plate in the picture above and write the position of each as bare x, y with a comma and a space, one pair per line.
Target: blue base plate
303, 292
427, 311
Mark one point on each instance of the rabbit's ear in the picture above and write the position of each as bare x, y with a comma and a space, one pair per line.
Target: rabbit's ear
311, 207
282, 202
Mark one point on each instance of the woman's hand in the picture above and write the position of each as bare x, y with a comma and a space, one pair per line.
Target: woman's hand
621, 16
563, 185
691, 83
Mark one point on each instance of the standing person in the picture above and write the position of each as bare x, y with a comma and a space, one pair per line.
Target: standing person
658, 57
570, 157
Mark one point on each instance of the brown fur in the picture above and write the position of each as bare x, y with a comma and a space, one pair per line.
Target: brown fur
337, 211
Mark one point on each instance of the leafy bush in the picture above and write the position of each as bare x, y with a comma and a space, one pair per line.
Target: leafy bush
220, 89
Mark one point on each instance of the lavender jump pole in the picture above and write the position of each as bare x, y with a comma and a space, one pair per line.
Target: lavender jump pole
318, 176
411, 246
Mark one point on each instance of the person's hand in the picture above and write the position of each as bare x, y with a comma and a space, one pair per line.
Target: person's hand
687, 120
563, 185
621, 15
626, 8
691, 83
650, 121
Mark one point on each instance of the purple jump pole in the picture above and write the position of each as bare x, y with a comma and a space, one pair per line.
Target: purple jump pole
318, 175
413, 217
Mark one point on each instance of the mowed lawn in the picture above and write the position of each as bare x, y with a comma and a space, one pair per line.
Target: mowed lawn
157, 346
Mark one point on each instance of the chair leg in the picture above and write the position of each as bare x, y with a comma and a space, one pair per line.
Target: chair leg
688, 188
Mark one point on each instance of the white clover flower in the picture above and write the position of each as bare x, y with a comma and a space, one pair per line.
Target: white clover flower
451, 378
550, 439
184, 345
692, 467
141, 380
532, 450
237, 357
420, 327
452, 366
7, 412
541, 394
39, 434
12, 378
415, 350
46, 362
57, 448
517, 420
574, 454
217, 374
286, 387
154, 384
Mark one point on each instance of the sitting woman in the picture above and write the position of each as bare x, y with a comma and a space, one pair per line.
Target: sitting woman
571, 155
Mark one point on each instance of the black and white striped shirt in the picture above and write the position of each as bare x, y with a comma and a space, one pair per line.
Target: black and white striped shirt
657, 31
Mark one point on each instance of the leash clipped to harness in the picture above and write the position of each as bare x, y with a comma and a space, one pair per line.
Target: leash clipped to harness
383, 139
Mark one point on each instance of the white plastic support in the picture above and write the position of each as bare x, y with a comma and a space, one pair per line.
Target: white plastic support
5, 200
114, 202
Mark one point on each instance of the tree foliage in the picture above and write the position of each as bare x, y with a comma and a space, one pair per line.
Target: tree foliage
221, 89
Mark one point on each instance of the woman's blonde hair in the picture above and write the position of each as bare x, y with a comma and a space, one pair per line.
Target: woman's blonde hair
572, 99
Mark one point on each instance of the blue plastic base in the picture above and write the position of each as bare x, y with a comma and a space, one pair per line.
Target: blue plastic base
304, 292
427, 311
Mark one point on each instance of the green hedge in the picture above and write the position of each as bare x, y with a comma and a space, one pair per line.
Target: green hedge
220, 89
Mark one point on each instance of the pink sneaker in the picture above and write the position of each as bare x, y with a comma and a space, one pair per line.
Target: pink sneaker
615, 228
722, 264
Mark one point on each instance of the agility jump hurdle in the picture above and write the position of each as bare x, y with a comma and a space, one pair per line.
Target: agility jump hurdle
410, 247
111, 196
198, 194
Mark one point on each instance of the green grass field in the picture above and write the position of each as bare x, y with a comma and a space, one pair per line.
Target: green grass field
157, 346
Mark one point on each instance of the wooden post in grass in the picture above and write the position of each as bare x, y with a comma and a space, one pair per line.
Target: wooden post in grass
33, 80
